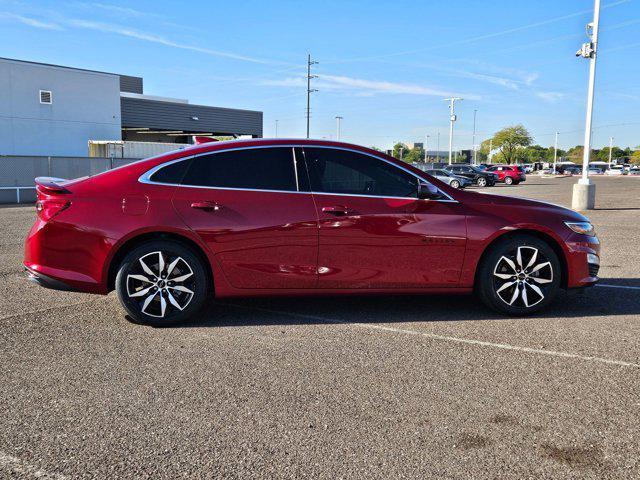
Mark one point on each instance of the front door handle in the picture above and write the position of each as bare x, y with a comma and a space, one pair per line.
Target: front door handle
207, 206
336, 210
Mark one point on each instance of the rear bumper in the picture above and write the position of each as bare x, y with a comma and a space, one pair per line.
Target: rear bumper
46, 281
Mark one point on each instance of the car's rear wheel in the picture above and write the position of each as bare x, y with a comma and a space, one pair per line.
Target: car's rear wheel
455, 184
162, 283
508, 180
482, 182
519, 276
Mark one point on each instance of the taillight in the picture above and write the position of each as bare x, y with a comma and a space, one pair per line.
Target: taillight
47, 209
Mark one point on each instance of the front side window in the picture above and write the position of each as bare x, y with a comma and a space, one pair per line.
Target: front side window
346, 172
251, 169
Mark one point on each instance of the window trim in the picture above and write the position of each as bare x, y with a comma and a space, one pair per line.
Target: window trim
145, 177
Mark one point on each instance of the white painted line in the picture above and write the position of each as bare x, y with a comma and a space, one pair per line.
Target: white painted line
447, 338
17, 466
617, 286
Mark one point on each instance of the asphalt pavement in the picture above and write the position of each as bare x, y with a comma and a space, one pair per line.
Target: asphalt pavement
364, 387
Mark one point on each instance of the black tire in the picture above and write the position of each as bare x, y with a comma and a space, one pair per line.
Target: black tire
508, 180
481, 181
498, 280
454, 184
158, 301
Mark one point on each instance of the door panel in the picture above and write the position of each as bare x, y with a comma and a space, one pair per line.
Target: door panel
370, 240
262, 239
390, 243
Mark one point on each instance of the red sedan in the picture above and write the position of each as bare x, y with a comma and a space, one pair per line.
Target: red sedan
296, 217
508, 174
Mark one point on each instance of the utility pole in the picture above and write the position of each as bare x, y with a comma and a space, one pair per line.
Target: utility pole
584, 192
276, 128
490, 148
426, 148
438, 147
555, 154
309, 89
452, 119
401, 150
338, 118
610, 148
475, 160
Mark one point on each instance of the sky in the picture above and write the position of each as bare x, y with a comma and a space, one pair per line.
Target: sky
385, 67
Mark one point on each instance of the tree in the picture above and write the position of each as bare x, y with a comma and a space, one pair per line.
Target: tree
576, 153
396, 150
603, 155
509, 140
635, 157
414, 155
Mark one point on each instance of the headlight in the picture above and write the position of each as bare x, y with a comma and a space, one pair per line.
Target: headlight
584, 228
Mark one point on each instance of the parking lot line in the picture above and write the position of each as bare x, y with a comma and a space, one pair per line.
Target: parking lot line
17, 466
435, 336
626, 287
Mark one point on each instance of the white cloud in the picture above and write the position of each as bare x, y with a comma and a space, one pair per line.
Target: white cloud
550, 96
32, 22
364, 87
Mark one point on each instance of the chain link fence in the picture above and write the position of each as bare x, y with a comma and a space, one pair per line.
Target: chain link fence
18, 172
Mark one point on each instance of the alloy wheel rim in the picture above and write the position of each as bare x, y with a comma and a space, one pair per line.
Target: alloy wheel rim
522, 277
482, 182
161, 283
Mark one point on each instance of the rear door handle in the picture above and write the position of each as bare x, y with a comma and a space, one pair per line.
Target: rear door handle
207, 206
337, 210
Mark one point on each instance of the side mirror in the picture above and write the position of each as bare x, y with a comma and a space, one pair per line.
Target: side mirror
426, 191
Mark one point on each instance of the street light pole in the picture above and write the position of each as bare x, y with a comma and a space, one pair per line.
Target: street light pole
452, 119
276, 128
426, 148
338, 118
555, 154
438, 147
475, 160
584, 192
610, 148
490, 148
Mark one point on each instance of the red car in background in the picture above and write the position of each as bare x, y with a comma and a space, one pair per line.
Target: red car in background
296, 217
508, 174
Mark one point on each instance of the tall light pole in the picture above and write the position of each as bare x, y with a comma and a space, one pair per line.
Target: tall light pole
309, 89
438, 147
475, 161
426, 148
555, 154
338, 118
610, 148
452, 119
490, 149
276, 128
584, 192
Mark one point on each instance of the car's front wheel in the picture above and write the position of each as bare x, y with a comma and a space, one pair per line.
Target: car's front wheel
519, 275
455, 184
508, 180
482, 182
162, 283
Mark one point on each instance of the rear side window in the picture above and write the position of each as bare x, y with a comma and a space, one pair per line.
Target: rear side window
172, 173
345, 172
251, 169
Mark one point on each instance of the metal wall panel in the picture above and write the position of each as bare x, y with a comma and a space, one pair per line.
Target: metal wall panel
130, 84
137, 112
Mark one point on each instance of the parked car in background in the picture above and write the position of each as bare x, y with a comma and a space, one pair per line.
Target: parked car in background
508, 174
449, 178
296, 218
595, 171
634, 171
571, 170
473, 173
528, 167
615, 170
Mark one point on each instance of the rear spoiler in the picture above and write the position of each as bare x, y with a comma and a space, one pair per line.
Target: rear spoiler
49, 185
